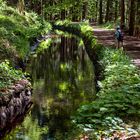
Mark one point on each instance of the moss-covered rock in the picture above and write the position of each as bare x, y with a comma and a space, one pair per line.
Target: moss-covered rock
14, 103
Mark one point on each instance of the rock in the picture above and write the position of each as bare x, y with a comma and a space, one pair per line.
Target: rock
14, 102
2, 117
11, 91
11, 109
19, 88
23, 82
28, 93
12, 87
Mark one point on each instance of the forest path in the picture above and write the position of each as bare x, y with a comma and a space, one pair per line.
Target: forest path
131, 44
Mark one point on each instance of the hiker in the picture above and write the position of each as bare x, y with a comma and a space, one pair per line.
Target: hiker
119, 37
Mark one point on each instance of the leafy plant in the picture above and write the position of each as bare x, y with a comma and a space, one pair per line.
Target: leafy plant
118, 97
8, 74
19, 30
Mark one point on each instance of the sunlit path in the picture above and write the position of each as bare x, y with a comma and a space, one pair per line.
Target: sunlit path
131, 44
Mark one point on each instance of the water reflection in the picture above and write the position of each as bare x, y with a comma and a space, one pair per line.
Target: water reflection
62, 81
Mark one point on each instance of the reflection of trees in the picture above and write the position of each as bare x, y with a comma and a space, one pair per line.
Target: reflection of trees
65, 79
28, 130
62, 81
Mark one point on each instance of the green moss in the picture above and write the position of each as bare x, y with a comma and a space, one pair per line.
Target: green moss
19, 29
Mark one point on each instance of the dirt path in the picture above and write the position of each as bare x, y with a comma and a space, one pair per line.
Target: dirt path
131, 44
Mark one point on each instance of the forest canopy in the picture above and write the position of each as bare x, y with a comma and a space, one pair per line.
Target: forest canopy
123, 12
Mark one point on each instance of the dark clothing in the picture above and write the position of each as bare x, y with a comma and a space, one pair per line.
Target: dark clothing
119, 35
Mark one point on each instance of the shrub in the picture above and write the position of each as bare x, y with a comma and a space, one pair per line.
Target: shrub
8, 75
19, 30
119, 96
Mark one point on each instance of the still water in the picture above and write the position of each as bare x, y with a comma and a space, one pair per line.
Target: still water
62, 79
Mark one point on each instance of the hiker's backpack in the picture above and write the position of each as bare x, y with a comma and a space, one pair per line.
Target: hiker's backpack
119, 35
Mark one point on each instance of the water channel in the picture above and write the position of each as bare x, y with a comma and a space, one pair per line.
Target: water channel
62, 79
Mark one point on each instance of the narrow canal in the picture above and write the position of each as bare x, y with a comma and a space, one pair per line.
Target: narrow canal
62, 78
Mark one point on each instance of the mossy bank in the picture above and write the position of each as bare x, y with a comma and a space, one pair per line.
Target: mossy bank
17, 33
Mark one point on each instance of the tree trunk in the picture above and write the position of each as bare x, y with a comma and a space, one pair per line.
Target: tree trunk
96, 15
127, 10
138, 12
12, 2
132, 17
41, 5
100, 12
21, 6
63, 12
116, 9
122, 13
107, 10
85, 10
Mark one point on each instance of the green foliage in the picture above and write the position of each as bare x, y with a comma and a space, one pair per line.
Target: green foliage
74, 9
31, 130
83, 30
119, 95
55, 9
44, 45
8, 75
18, 30
109, 25
16, 33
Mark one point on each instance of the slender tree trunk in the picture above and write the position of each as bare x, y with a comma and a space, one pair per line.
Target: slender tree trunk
21, 6
63, 12
122, 13
83, 59
96, 15
132, 17
137, 22
12, 2
107, 10
138, 12
41, 2
62, 58
111, 11
127, 10
116, 9
101, 12
85, 10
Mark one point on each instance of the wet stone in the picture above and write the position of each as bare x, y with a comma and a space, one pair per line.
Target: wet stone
13, 103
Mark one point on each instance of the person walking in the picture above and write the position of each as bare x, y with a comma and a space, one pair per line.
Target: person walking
119, 37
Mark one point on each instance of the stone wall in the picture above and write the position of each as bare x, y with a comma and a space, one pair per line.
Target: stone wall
14, 103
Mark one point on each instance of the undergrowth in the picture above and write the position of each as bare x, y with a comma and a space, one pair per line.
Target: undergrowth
109, 25
19, 30
8, 75
118, 101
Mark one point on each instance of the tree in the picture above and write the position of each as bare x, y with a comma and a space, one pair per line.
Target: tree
107, 10
20, 6
116, 9
85, 10
122, 13
137, 12
100, 12
132, 17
